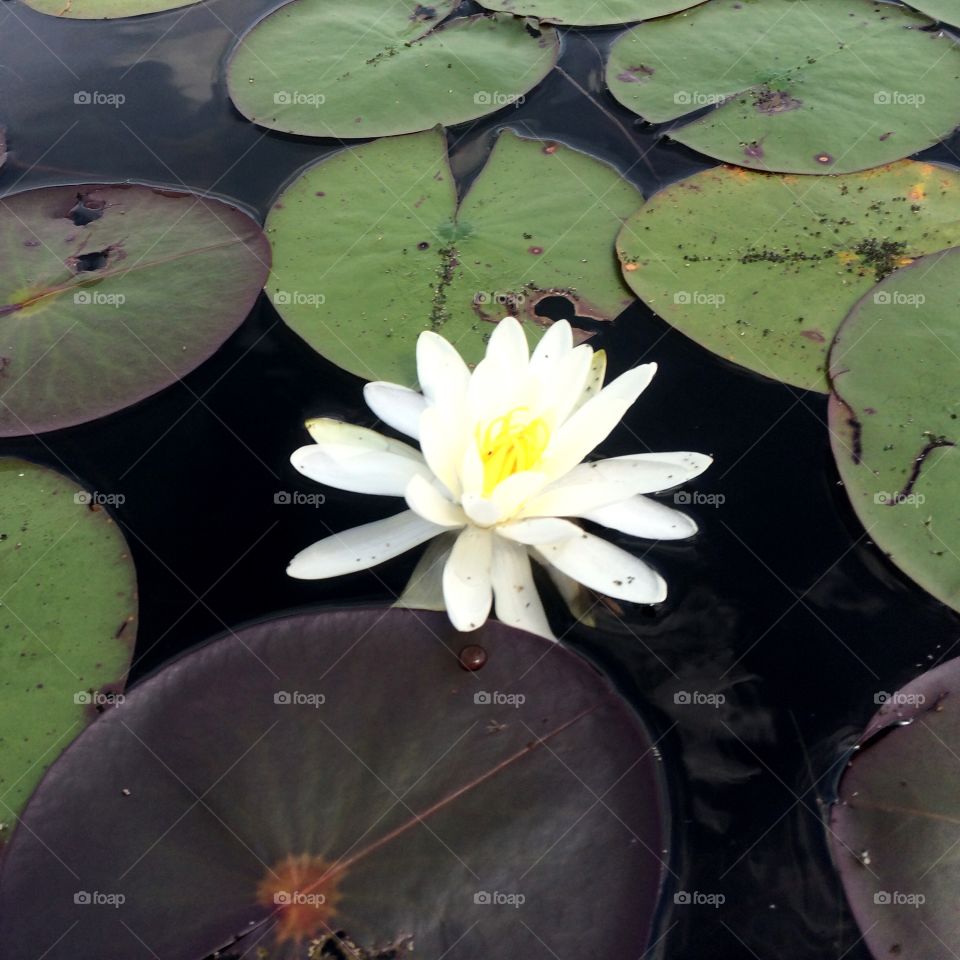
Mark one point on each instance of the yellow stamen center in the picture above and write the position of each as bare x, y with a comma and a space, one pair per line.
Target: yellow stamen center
511, 444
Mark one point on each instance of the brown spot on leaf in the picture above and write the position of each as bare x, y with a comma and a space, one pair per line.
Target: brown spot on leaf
303, 893
775, 101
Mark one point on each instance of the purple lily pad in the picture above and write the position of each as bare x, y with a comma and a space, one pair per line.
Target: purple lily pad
353, 775
113, 292
896, 826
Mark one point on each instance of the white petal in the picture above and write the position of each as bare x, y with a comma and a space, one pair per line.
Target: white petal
642, 517
594, 382
358, 470
507, 347
424, 589
362, 547
481, 510
562, 386
579, 600
442, 440
442, 372
511, 494
591, 424
556, 343
398, 407
539, 530
605, 568
600, 483
467, 589
427, 501
517, 602
325, 430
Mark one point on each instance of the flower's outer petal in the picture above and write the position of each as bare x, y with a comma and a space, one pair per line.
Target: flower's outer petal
325, 430
603, 482
467, 589
442, 440
507, 348
642, 517
377, 472
362, 547
424, 589
556, 343
592, 423
563, 385
517, 602
594, 384
481, 510
424, 499
511, 494
605, 568
398, 407
539, 530
442, 372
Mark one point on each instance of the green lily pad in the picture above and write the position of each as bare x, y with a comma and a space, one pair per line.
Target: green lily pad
341, 776
946, 11
895, 829
110, 293
762, 268
67, 619
822, 86
592, 14
371, 247
358, 69
104, 9
895, 419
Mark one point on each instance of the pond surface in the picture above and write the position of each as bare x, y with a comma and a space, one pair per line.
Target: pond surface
782, 605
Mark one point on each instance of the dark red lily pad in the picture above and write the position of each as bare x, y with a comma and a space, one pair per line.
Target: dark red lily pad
342, 773
110, 293
896, 827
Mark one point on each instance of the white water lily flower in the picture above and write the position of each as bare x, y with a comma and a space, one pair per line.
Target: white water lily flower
501, 463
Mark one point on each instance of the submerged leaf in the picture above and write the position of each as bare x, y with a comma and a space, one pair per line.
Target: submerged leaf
894, 414
370, 69
822, 86
762, 268
371, 247
343, 772
112, 292
67, 620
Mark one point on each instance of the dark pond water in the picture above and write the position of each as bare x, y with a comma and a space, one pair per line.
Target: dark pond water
781, 603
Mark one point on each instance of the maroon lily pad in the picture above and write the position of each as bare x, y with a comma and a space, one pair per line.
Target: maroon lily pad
346, 775
895, 829
110, 293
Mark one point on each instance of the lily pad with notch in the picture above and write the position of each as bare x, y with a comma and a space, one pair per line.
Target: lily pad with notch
896, 825
945, 11
598, 13
68, 620
762, 268
372, 246
374, 69
822, 86
342, 775
895, 419
112, 292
